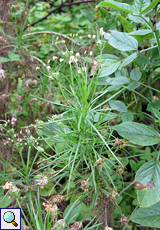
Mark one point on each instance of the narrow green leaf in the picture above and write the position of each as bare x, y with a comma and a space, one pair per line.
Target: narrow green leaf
141, 32
147, 179
135, 74
151, 6
118, 105
122, 41
141, 5
149, 216
139, 134
117, 5
110, 69
87, 14
129, 60
138, 19
156, 113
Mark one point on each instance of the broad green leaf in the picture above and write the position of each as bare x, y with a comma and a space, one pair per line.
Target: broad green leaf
140, 38
156, 63
133, 85
114, 88
44, 49
59, 147
102, 81
108, 59
117, 5
23, 222
138, 19
87, 59
87, 14
117, 80
148, 180
149, 216
139, 134
151, 6
135, 74
158, 26
118, 105
156, 113
120, 73
66, 19
48, 190
141, 32
153, 105
13, 56
122, 41
142, 60
50, 129
3, 59
109, 69
129, 60
128, 27
5, 201
141, 5
74, 211
127, 116
108, 116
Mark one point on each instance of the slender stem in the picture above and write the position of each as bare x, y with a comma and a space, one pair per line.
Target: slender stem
157, 39
154, 30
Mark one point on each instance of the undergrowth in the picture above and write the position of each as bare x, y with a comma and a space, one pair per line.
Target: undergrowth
80, 114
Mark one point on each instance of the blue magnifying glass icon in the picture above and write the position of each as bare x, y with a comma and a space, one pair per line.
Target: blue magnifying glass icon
9, 217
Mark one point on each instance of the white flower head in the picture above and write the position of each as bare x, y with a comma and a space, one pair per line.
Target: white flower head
99, 42
101, 31
56, 74
77, 54
2, 74
54, 58
72, 59
90, 53
61, 59
64, 53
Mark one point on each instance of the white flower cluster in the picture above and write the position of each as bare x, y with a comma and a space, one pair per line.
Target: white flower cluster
2, 74
72, 59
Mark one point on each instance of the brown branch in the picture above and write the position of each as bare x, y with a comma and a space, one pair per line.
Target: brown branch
58, 8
